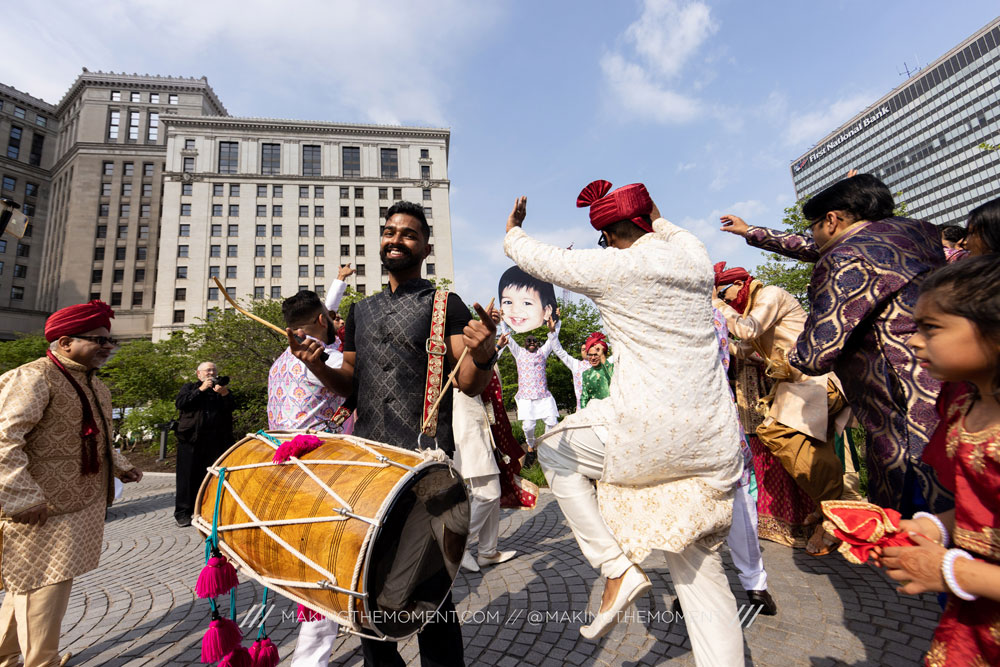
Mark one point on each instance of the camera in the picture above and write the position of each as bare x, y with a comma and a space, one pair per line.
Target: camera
220, 381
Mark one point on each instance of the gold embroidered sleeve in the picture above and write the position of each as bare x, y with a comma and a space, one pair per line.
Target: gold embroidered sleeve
24, 396
121, 463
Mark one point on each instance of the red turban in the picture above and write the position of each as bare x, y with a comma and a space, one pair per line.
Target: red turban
78, 319
728, 277
594, 339
629, 202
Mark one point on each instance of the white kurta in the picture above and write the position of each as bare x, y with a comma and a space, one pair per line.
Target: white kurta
672, 449
473, 439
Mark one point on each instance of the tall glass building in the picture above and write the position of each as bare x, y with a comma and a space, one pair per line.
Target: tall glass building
922, 139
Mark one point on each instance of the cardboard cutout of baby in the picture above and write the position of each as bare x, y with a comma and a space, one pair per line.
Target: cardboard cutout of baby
526, 302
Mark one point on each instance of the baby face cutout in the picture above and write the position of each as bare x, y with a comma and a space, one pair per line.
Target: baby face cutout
522, 308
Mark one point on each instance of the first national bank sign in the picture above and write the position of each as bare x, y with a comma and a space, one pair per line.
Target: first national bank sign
858, 127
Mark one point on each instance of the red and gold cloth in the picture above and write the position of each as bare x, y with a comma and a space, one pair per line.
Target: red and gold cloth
968, 464
515, 491
862, 526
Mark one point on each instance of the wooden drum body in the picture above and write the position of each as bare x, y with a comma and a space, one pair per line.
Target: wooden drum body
368, 534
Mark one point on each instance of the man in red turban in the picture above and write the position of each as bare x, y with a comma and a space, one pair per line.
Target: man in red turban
596, 380
54, 409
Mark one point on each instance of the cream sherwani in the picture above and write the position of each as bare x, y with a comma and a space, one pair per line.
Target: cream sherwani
665, 444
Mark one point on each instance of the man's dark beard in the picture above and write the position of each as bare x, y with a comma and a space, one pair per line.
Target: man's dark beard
398, 264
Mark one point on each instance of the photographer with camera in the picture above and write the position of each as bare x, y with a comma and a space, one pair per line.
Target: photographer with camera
204, 432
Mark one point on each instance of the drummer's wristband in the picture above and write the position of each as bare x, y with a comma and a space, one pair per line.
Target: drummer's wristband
489, 364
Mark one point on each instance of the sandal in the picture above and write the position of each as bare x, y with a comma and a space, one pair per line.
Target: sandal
827, 542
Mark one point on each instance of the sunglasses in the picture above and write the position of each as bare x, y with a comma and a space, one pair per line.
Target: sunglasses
602, 241
100, 340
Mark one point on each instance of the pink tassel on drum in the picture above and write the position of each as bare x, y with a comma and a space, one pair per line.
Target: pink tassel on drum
297, 446
216, 578
239, 657
222, 638
264, 653
306, 615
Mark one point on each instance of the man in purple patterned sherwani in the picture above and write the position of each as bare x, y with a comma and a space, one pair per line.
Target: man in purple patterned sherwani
869, 266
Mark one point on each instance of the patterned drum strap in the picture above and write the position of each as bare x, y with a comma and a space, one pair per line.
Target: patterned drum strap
436, 350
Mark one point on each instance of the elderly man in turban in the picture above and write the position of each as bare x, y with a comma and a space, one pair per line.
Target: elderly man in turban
664, 446
57, 468
596, 380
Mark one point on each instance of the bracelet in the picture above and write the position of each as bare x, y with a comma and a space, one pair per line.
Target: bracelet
948, 572
945, 537
489, 364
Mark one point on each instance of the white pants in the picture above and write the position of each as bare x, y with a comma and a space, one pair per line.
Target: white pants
744, 545
529, 429
570, 461
315, 643
484, 512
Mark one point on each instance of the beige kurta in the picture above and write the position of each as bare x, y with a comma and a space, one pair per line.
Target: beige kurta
40, 454
772, 325
672, 446
470, 427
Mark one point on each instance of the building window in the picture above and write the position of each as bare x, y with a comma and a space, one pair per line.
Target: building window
114, 122
14, 144
105, 189
425, 171
345, 211
218, 189
345, 192
430, 269
303, 211
182, 272
182, 251
428, 213
318, 211
345, 250
270, 158
424, 154
383, 193
98, 253
427, 194
359, 193
258, 292
318, 191
359, 231
213, 293
189, 164
154, 98
154, 126
234, 210
147, 168
171, 98
97, 275
178, 314
275, 230
215, 251
133, 126
216, 210
303, 251
135, 97
361, 269
123, 231
189, 144
303, 230
261, 190
233, 230
136, 299
102, 231
260, 230
276, 211
276, 251
230, 272
144, 210
277, 191
104, 210
184, 230
276, 271
352, 161
234, 190
116, 96
361, 289
118, 275
231, 250
127, 189
390, 163
261, 210
215, 230
37, 143
9, 183
318, 251
185, 209
139, 275
260, 251
140, 252
108, 168
258, 271
20, 271
359, 211
187, 189
303, 271
397, 194
275, 292
303, 192
383, 211
359, 250
213, 272
120, 254
311, 162
319, 230
180, 294
147, 189
229, 155
116, 298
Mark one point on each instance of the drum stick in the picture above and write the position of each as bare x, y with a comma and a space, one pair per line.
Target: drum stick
451, 378
275, 328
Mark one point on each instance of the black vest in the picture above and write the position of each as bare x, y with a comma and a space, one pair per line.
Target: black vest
390, 371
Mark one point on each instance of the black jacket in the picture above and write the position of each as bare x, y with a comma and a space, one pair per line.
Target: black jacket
205, 416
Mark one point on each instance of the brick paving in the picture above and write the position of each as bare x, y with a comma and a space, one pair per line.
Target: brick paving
139, 607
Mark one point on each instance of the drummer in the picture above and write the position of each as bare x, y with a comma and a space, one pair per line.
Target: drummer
296, 399
385, 364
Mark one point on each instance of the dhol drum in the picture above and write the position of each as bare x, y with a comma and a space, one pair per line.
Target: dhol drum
368, 534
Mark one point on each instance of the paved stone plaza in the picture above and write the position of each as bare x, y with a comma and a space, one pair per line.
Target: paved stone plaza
139, 608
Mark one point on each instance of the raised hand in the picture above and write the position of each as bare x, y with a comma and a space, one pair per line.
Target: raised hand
309, 351
516, 216
734, 225
345, 272
496, 314
552, 324
502, 341
479, 336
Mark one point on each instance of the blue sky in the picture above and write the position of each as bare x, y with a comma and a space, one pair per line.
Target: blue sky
707, 103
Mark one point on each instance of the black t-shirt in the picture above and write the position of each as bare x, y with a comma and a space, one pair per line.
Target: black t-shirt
456, 317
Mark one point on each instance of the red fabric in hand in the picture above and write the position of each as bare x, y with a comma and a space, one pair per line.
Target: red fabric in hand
863, 526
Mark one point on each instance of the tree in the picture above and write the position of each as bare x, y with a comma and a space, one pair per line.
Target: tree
14, 353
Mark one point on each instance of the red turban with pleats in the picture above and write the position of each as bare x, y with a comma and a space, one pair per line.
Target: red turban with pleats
594, 339
629, 202
78, 319
728, 277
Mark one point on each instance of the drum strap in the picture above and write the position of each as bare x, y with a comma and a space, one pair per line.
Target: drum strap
436, 349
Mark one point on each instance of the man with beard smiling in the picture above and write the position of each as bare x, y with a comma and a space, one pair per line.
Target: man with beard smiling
57, 467
386, 349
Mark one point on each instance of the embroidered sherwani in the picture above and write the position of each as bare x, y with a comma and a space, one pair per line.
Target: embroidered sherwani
672, 443
296, 398
863, 290
40, 450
